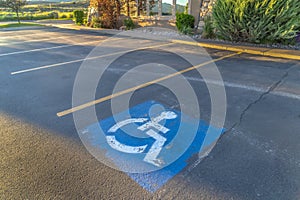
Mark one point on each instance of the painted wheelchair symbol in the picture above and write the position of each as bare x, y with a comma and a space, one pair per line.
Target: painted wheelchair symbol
152, 155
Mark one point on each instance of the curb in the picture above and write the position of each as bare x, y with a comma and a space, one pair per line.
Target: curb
277, 53
21, 28
79, 28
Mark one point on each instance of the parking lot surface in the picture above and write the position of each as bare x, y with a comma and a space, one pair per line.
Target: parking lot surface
42, 155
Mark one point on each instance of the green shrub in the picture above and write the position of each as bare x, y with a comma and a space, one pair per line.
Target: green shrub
184, 22
53, 15
257, 21
187, 30
96, 22
78, 16
129, 24
208, 31
63, 16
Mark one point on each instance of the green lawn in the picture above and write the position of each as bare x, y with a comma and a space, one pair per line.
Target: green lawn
10, 16
12, 25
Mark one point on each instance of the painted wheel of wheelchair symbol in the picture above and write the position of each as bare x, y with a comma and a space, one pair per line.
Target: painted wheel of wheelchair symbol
130, 134
152, 156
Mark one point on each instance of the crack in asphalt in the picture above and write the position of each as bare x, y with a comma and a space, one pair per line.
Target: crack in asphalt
244, 112
260, 98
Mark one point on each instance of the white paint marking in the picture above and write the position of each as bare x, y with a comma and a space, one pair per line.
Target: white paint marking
154, 123
53, 65
29, 34
83, 59
47, 48
120, 124
50, 37
286, 94
111, 140
37, 40
151, 156
249, 88
239, 86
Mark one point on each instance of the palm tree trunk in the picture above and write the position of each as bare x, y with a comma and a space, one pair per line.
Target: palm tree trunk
17, 11
128, 8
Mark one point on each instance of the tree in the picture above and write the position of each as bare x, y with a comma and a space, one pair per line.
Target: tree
14, 5
139, 6
142, 5
108, 10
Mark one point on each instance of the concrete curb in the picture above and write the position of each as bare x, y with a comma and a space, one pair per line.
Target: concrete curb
277, 53
81, 28
22, 28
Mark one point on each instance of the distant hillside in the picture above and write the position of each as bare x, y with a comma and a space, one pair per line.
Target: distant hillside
56, 1
53, 1
167, 8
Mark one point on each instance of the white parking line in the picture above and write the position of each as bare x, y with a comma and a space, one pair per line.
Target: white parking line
247, 87
49, 37
286, 94
47, 48
80, 60
252, 88
43, 32
35, 40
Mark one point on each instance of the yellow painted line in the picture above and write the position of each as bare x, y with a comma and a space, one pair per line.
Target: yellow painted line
103, 99
200, 44
282, 55
271, 53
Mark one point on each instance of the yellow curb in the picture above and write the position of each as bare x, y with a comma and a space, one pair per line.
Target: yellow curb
278, 53
282, 55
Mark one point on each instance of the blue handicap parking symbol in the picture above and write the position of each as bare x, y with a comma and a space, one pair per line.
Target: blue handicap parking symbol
150, 144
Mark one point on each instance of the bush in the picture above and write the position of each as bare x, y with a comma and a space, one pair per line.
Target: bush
96, 23
78, 16
208, 31
53, 15
184, 21
187, 30
85, 21
129, 24
257, 21
63, 16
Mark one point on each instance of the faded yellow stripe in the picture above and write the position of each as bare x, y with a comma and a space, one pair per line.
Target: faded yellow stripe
271, 53
92, 103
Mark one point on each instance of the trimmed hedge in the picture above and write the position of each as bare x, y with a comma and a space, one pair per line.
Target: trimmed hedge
257, 21
184, 22
78, 16
129, 24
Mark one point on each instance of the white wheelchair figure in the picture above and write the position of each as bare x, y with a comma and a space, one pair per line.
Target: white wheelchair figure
148, 126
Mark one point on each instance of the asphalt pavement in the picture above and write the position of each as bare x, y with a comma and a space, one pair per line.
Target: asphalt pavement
42, 155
